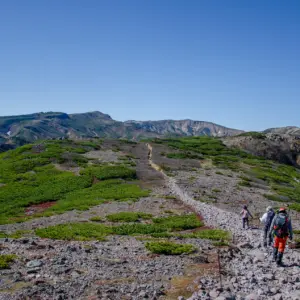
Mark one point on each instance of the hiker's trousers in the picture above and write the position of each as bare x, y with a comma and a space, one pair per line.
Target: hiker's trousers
279, 243
245, 220
265, 237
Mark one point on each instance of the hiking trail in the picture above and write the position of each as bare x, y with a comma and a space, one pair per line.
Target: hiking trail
250, 272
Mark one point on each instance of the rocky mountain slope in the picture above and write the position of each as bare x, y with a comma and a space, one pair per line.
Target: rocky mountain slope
291, 130
116, 219
284, 148
28, 128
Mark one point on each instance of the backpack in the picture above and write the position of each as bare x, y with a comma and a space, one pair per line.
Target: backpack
270, 216
281, 225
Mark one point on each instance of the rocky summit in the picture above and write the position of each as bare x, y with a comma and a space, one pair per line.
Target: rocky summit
118, 219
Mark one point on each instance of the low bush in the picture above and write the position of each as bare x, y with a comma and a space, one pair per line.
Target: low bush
182, 222
210, 234
183, 155
165, 168
75, 231
128, 216
138, 229
295, 206
244, 183
6, 260
169, 248
96, 219
83, 199
274, 198
16, 235
109, 172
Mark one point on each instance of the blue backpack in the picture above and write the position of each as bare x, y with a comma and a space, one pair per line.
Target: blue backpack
281, 225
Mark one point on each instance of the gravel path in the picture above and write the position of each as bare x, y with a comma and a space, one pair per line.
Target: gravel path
249, 271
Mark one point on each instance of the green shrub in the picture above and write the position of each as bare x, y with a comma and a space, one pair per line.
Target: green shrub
75, 231
162, 235
96, 219
274, 197
16, 235
183, 222
216, 190
183, 155
244, 183
99, 193
210, 234
110, 172
136, 228
6, 260
169, 248
165, 168
41, 186
295, 206
128, 216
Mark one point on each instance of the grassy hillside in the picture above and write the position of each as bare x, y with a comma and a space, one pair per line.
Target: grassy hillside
28, 176
283, 180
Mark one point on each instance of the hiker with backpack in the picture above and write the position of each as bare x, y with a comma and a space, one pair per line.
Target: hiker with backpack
280, 229
267, 219
245, 216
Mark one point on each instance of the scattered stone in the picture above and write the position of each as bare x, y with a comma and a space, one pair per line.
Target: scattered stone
278, 297
251, 297
245, 245
34, 264
33, 270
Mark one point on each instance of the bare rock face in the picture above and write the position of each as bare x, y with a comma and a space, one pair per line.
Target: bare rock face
284, 148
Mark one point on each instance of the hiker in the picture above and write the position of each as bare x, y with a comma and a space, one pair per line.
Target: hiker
267, 219
245, 216
280, 229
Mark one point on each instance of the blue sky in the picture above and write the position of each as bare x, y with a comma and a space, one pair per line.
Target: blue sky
235, 63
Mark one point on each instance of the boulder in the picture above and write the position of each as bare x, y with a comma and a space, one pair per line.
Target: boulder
34, 264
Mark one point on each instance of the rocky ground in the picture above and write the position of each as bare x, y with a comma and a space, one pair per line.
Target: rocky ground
247, 268
122, 268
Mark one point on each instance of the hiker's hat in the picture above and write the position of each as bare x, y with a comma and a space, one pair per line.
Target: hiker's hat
282, 209
269, 208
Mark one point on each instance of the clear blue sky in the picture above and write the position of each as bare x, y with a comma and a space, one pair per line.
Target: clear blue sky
236, 63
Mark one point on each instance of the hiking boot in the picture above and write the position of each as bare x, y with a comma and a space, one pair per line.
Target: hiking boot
275, 251
279, 259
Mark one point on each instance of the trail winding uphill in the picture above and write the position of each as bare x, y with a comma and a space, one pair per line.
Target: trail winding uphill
249, 272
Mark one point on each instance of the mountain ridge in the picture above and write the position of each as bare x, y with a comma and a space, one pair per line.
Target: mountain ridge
21, 129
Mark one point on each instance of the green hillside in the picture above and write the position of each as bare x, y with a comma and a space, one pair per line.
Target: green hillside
28, 176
